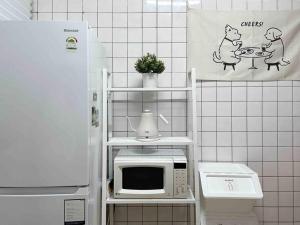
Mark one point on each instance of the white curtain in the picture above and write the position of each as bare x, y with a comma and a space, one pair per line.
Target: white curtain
15, 9
244, 45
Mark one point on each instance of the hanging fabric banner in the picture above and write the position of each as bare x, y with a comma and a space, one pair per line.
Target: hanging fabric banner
244, 45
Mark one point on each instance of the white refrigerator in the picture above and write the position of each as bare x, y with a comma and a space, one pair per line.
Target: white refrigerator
50, 99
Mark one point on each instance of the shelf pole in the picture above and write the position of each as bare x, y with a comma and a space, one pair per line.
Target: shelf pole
195, 145
104, 148
110, 125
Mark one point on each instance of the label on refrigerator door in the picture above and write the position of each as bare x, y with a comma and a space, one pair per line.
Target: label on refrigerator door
75, 212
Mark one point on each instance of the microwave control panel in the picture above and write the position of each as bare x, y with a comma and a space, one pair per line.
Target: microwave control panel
180, 180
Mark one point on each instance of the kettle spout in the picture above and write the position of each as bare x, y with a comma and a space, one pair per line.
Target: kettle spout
163, 119
130, 124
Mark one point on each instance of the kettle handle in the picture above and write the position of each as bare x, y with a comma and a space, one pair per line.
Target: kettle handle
163, 119
130, 124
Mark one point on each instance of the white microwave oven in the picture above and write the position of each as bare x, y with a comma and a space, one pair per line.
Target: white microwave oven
155, 174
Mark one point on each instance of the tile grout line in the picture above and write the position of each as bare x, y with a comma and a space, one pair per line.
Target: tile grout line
293, 147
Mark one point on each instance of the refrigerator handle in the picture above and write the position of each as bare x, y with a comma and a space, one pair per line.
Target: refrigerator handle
95, 116
40, 191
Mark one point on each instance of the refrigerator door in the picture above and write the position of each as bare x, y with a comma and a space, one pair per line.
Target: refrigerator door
44, 108
59, 208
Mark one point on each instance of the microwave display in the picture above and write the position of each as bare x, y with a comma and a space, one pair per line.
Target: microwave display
179, 165
143, 178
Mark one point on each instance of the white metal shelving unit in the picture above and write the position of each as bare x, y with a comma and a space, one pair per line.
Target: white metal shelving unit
126, 141
189, 141
189, 200
147, 89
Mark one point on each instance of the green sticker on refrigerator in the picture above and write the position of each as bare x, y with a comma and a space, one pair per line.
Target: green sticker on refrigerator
71, 43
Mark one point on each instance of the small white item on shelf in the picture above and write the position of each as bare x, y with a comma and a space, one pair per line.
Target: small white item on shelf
147, 129
150, 80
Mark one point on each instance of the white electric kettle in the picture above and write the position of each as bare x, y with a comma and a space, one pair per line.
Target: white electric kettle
147, 129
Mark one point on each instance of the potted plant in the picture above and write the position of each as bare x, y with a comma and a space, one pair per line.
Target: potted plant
149, 66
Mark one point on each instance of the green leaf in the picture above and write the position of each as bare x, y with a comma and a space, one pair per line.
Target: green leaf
149, 64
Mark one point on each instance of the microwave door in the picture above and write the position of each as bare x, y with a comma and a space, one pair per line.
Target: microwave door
144, 181
143, 178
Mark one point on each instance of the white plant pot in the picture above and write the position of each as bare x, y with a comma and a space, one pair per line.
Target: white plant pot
150, 80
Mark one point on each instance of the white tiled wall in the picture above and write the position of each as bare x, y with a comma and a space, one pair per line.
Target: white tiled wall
15, 10
257, 123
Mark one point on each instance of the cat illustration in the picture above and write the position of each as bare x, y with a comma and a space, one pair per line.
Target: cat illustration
275, 47
229, 45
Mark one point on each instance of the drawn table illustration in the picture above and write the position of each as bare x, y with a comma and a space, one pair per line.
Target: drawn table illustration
253, 53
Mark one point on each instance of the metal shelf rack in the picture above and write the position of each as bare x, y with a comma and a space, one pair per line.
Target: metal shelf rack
189, 141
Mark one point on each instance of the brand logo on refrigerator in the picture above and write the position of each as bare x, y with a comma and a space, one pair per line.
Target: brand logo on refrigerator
71, 43
71, 30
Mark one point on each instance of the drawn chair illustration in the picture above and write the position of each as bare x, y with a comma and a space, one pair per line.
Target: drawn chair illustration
229, 64
273, 64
